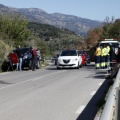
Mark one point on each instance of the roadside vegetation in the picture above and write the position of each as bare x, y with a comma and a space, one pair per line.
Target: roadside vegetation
110, 29
15, 30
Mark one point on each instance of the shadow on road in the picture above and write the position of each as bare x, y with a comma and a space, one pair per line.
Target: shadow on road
91, 109
3, 82
62, 68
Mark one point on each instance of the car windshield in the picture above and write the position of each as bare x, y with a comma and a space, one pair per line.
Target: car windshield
68, 53
85, 52
14, 51
80, 52
26, 50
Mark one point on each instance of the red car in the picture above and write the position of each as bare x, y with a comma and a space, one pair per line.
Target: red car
85, 57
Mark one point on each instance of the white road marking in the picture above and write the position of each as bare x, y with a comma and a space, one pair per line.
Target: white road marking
20, 83
80, 109
33, 79
100, 84
93, 93
37, 78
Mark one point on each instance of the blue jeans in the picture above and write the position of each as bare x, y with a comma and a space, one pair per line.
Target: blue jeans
19, 65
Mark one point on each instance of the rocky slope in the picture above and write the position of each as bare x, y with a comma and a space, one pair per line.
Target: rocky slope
73, 23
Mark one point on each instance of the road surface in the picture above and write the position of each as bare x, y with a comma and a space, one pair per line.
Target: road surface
51, 94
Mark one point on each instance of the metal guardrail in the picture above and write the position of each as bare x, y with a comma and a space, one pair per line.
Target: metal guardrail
110, 111
117, 105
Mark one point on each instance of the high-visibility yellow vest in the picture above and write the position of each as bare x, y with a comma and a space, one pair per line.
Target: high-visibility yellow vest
108, 50
98, 52
102, 52
105, 51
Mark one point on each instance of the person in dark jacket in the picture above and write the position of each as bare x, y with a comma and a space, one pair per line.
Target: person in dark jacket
20, 57
112, 56
33, 59
118, 55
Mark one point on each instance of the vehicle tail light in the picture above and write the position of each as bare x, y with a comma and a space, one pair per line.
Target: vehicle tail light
114, 61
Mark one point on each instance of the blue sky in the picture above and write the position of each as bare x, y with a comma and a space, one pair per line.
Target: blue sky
90, 9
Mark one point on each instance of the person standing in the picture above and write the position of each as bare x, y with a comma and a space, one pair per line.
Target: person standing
118, 55
97, 57
33, 59
20, 57
107, 56
38, 58
112, 56
103, 55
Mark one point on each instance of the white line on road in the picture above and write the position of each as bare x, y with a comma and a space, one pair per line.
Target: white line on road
33, 79
100, 84
80, 109
21, 82
93, 93
37, 78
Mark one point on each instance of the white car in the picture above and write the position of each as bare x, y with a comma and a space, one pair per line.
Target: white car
69, 59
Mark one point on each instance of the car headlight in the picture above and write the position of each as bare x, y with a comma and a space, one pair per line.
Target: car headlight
25, 57
59, 60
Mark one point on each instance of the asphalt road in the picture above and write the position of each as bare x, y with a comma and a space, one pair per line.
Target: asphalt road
51, 94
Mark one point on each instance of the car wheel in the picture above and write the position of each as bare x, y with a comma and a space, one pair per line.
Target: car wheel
78, 66
58, 68
5, 66
85, 63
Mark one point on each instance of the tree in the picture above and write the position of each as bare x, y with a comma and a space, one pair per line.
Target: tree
94, 35
15, 27
115, 30
106, 27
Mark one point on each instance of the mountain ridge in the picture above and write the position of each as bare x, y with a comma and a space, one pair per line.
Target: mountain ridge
73, 23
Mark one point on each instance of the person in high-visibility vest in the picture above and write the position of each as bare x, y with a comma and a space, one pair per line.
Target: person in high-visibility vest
103, 55
97, 57
107, 55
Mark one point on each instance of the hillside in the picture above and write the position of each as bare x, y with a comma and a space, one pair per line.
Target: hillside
73, 23
55, 38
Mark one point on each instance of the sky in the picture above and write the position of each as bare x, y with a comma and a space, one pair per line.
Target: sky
89, 9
